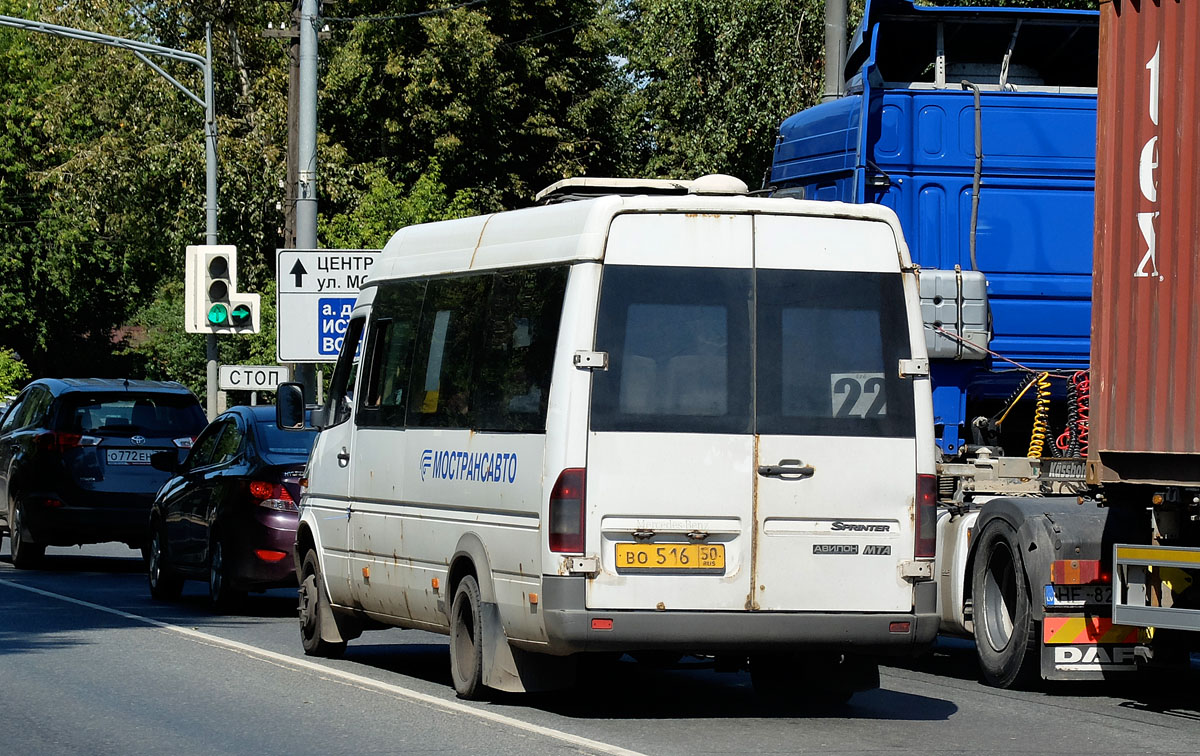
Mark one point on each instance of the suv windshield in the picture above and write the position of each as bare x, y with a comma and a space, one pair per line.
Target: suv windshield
128, 414
722, 350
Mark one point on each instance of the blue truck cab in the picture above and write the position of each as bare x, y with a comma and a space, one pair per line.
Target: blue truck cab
977, 126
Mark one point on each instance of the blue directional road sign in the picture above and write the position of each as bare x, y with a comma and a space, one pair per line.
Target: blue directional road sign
316, 293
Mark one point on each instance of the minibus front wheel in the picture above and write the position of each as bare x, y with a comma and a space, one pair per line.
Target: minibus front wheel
315, 611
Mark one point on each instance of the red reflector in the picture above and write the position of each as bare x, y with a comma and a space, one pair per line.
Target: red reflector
567, 516
899, 627
602, 624
269, 555
52, 503
1077, 572
926, 536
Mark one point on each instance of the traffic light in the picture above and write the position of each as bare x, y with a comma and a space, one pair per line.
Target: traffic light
213, 304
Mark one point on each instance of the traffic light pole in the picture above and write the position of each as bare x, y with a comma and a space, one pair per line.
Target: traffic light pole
211, 353
142, 50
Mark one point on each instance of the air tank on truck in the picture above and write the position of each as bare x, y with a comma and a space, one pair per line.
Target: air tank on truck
1065, 384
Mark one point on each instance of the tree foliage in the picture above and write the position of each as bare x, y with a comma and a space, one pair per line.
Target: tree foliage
428, 109
14, 374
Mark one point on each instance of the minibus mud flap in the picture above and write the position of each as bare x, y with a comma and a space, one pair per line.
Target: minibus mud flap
513, 670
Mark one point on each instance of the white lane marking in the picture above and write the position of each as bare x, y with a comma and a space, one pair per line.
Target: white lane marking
441, 703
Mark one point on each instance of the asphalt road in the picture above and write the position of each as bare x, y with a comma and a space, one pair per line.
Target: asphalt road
89, 664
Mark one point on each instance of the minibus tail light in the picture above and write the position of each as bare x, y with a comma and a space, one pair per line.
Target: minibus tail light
926, 537
567, 515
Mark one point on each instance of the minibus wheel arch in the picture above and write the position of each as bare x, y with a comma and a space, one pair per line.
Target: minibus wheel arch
470, 558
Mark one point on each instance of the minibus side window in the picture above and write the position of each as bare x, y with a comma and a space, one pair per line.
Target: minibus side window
447, 346
341, 386
520, 334
390, 345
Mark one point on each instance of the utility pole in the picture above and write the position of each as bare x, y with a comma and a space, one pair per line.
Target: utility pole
300, 202
835, 48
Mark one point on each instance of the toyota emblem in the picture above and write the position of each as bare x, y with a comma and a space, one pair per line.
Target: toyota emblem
138, 440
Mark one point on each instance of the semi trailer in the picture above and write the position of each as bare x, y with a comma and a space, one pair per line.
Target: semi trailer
1043, 168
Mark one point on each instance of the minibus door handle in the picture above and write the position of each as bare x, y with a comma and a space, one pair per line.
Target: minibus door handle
343, 457
788, 469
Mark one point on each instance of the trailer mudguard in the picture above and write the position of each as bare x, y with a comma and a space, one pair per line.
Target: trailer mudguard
1055, 528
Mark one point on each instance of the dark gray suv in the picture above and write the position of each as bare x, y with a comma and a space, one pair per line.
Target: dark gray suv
75, 460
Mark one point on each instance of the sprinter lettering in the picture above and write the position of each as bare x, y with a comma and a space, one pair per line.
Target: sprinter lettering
474, 467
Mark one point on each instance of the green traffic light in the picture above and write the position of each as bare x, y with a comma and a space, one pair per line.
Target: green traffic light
240, 315
218, 314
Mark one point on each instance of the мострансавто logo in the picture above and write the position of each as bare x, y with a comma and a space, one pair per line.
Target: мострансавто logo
481, 467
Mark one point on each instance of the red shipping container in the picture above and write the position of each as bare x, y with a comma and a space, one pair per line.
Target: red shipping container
1145, 381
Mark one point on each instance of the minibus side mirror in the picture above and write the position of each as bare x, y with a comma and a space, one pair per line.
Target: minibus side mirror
289, 406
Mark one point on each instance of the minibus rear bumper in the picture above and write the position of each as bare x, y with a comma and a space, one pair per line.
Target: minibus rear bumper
573, 628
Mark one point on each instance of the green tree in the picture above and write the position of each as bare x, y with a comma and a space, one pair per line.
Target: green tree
504, 97
14, 373
713, 79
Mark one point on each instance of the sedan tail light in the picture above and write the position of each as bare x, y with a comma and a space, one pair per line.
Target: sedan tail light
272, 496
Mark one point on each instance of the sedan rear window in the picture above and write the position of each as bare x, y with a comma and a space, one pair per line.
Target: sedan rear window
125, 414
273, 440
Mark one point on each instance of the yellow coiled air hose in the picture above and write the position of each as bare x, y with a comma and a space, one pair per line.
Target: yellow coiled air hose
1041, 415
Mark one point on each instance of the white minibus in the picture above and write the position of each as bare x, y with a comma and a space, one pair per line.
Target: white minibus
673, 419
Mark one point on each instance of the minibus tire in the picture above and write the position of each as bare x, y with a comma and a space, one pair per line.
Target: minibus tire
1006, 633
312, 601
787, 680
466, 640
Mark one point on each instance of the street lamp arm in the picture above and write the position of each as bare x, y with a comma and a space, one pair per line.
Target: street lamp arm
140, 49
104, 39
174, 82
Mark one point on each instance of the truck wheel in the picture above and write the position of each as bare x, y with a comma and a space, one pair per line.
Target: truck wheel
312, 604
25, 553
1006, 638
466, 640
165, 585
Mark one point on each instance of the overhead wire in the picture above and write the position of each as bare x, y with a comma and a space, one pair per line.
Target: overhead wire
402, 16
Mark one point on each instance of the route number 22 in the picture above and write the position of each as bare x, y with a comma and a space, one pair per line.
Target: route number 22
858, 395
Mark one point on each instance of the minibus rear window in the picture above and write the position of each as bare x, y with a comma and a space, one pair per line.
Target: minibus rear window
719, 350
827, 357
678, 341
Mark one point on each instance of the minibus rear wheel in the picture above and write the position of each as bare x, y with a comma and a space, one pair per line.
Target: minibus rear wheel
466, 640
